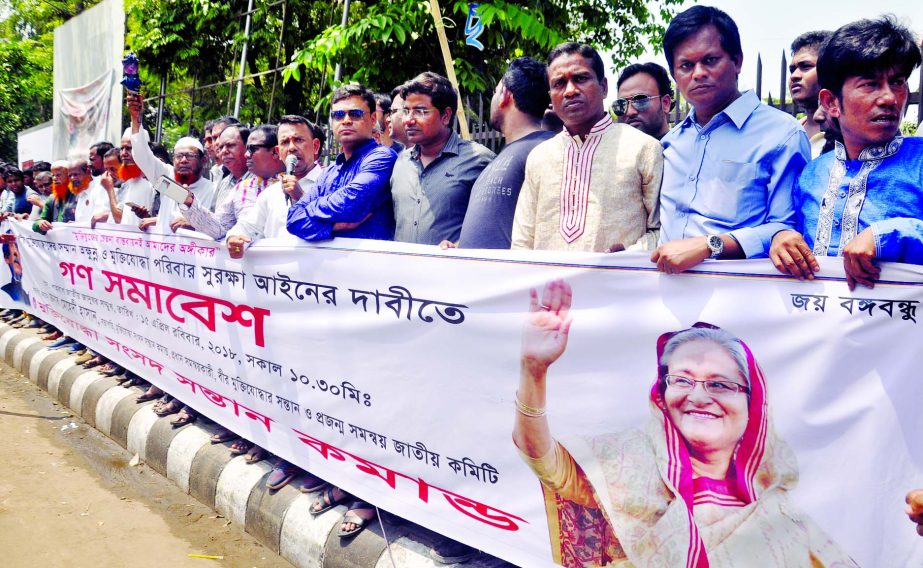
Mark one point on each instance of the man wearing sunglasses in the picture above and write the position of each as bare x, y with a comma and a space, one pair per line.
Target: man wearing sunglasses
645, 98
262, 165
351, 197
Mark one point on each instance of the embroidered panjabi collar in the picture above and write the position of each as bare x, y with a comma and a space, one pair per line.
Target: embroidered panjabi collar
870, 153
601, 126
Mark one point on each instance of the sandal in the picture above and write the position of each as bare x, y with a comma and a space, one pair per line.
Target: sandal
353, 517
256, 454
328, 500
184, 417
150, 394
310, 483
169, 408
222, 435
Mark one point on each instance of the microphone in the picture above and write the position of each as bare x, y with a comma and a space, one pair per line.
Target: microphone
290, 161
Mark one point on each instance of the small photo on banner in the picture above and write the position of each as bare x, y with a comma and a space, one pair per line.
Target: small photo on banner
13, 296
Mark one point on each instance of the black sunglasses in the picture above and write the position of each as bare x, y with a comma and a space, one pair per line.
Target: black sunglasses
353, 113
252, 148
640, 102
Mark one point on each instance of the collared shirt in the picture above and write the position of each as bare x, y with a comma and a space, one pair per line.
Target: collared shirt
225, 189
12, 203
734, 175
349, 191
57, 211
227, 212
590, 193
216, 172
267, 218
837, 198
6, 200
430, 202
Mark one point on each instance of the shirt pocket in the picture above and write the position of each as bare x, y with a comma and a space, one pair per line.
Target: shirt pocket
735, 194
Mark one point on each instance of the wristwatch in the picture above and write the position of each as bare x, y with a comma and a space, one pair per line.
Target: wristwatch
715, 245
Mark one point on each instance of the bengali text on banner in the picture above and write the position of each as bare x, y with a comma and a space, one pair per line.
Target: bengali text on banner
392, 371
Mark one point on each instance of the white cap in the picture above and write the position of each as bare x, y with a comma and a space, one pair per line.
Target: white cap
189, 141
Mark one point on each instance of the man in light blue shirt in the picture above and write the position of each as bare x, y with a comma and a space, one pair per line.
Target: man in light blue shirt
730, 165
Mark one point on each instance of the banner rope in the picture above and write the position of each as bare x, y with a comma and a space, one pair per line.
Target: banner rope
385, 535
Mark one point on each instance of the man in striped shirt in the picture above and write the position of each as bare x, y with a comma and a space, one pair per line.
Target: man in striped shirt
595, 186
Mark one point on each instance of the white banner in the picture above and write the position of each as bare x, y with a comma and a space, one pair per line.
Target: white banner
392, 370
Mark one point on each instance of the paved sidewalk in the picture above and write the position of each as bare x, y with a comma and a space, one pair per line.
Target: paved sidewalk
68, 497
280, 520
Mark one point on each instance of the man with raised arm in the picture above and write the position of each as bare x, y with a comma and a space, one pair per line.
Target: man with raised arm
188, 164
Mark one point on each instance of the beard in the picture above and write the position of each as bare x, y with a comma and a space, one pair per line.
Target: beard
76, 189
185, 178
59, 190
129, 171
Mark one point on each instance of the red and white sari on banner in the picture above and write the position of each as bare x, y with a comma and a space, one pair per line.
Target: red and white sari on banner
630, 499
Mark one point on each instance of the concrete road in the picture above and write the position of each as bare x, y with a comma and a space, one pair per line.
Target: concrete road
68, 497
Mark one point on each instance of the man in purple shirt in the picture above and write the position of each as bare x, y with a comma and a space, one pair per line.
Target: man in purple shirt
352, 198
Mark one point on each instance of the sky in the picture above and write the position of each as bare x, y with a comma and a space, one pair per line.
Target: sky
768, 28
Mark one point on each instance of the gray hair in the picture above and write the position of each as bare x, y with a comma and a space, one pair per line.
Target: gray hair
717, 336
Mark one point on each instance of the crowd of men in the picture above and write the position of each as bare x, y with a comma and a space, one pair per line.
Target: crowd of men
734, 179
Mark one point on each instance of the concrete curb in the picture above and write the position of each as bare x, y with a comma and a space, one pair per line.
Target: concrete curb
280, 520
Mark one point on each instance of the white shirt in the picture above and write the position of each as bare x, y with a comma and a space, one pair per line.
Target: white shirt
267, 218
154, 169
139, 192
85, 204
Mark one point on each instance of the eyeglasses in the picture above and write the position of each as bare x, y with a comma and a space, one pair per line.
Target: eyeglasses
252, 148
353, 113
640, 102
417, 113
179, 156
396, 110
711, 386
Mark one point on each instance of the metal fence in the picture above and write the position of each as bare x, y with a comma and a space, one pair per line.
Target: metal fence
477, 105
681, 109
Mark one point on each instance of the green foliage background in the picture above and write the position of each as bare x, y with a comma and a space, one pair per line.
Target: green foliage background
198, 43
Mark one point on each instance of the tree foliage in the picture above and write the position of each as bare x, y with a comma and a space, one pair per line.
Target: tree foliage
385, 43
197, 43
26, 60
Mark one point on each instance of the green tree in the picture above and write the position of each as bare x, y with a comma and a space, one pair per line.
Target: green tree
382, 45
385, 43
26, 61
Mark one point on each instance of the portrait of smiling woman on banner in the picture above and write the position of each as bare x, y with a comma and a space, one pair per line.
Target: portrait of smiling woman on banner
705, 483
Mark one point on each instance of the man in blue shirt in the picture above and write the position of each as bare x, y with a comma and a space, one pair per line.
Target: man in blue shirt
352, 197
863, 201
729, 167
